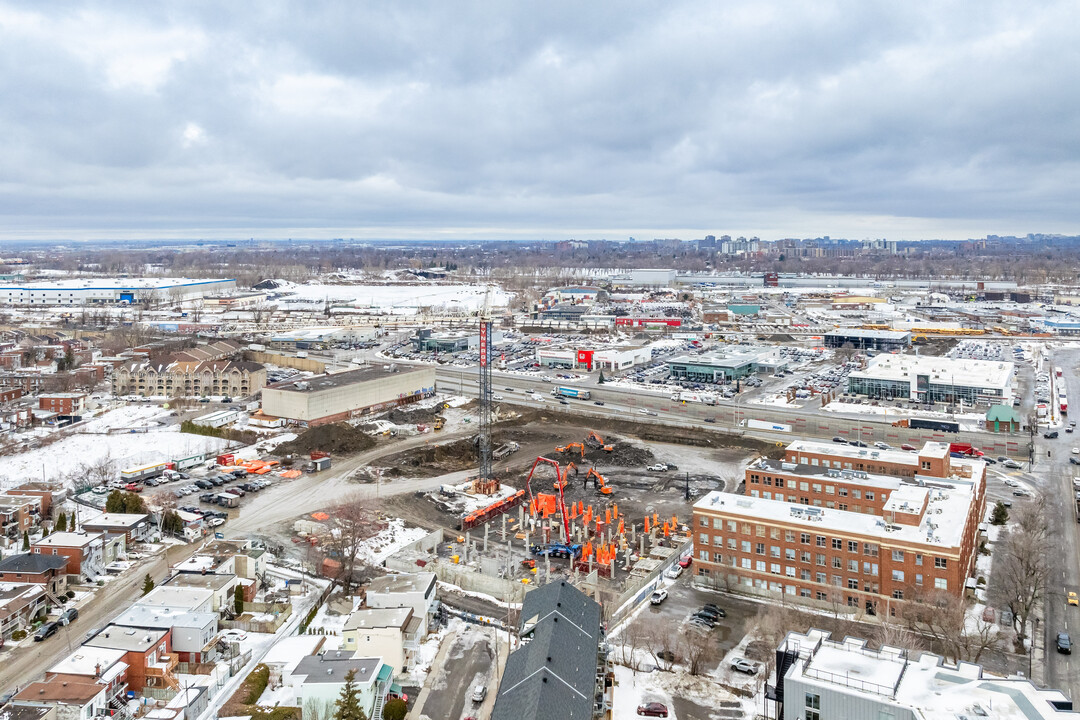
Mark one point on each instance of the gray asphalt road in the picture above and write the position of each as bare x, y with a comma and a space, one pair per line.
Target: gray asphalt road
24, 664
1055, 474
470, 661
647, 406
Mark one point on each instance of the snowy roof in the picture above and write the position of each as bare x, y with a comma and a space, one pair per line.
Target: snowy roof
331, 667
112, 284
88, 660
404, 583
942, 524
924, 685
149, 616
368, 618
128, 639
68, 539
941, 370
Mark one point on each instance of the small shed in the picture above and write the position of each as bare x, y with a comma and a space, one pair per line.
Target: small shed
1003, 419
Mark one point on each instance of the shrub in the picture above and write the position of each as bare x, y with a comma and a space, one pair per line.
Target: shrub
18, 635
395, 709
70, 594
256, 683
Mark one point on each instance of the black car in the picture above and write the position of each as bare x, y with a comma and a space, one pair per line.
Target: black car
857, 443
710, 419
204, 484
719, 611
216, 480
46, 631
1074, 461
69, 615
711, 613
839, 440
239, 473
207, 497
598, 402
1064, 643
707, 618
1052, 435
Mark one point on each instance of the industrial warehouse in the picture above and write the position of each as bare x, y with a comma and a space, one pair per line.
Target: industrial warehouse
338, 396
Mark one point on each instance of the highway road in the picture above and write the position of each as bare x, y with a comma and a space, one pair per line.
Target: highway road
641, 405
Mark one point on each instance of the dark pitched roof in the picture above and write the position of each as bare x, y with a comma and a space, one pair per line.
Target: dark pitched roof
32, 563
552, 676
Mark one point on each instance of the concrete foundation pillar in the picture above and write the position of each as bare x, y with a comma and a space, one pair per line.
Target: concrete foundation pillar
487, 527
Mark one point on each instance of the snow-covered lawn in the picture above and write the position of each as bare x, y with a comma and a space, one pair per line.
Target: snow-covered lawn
634, 689
63, 459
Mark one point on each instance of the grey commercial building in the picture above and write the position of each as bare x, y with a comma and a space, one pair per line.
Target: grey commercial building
884, 340
334, 397
560, 671
726, 365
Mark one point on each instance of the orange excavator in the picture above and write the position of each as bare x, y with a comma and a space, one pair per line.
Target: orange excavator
594, 440
599, 482
571, 447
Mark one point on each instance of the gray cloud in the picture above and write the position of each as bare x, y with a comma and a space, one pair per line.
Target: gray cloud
538, 119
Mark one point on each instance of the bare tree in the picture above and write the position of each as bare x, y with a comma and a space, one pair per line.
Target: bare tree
661, 644
942, 618
1021, 564
353, 521
697, 649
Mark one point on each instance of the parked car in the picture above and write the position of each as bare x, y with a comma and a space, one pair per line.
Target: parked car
717, 611
100, 490
744, 666
68, 616
479, 693
673, 572
658, 597
1052, 435
708, 618
653, 709
46, 631
685, 560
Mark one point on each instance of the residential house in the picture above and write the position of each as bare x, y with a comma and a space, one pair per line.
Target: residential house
147, 653
85, 552
318, 679
559, 672
175, 596
20, 606
63, 403
48, 571
68, 700
221, 586
188, 378
389, 633
193, 633
414, 590
48, 492
101, 666
135, 527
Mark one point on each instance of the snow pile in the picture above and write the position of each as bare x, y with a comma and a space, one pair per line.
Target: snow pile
377, 548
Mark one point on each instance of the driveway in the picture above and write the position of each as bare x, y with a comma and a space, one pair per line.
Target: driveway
469, 661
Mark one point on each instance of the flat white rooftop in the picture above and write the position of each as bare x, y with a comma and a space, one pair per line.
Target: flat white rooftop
961, 372
920, 683
942, 525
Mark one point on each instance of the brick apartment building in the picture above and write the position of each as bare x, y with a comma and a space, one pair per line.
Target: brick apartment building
63, 403
818, 528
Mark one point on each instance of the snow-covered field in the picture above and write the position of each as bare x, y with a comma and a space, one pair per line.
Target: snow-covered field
394, 299
68, 458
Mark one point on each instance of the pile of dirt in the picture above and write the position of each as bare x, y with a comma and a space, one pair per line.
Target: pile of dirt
336, 439
434, 460
413, 416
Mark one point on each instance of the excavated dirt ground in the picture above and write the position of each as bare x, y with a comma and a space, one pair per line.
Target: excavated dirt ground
339, 438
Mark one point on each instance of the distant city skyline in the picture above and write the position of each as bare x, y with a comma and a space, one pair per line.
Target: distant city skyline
429, 121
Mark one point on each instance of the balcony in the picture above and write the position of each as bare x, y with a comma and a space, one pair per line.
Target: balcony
160, 673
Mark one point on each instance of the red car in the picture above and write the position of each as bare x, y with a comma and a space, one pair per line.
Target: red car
132, 487
653, 709
685, 562
907, 447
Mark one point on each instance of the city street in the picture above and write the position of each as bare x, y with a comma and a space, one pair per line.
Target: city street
1055, 475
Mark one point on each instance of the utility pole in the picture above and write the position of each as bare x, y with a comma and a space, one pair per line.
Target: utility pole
485, 388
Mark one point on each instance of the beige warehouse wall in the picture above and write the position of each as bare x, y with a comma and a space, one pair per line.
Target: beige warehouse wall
299, 405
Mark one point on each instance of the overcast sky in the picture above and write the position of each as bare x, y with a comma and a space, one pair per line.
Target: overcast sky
538, 119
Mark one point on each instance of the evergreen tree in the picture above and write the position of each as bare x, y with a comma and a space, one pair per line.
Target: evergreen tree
1000, 515
395, 709
61, 523
347, 706
601, 381
238, 599
147, 584
26, 540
